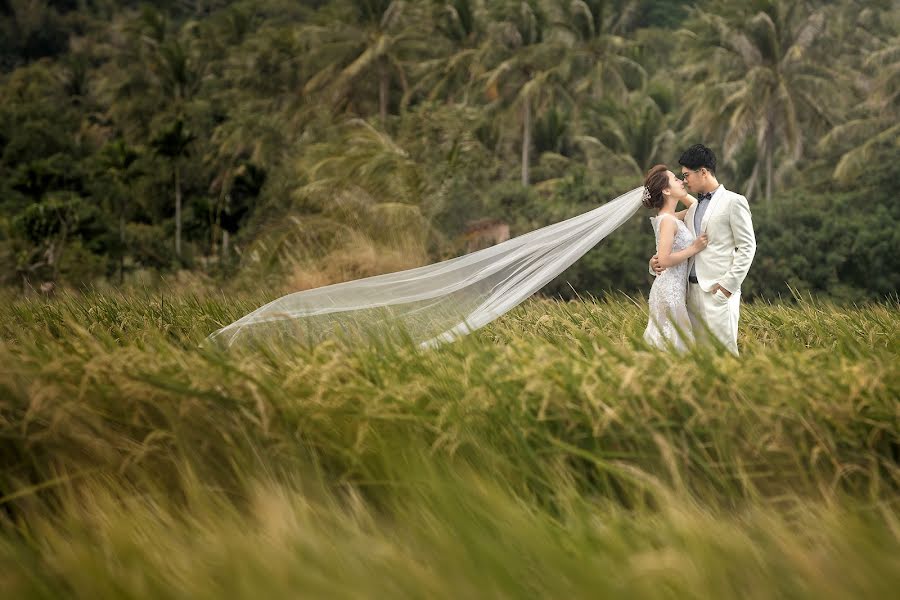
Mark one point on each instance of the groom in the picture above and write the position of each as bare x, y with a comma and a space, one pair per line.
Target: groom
716, 273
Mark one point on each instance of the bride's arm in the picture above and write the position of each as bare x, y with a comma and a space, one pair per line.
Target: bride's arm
688, 201
667, 258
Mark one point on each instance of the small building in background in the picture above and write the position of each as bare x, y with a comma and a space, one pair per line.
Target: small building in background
485, 233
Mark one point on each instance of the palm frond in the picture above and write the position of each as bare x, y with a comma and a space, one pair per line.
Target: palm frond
852, 131
888, 55
808, 32
855, 162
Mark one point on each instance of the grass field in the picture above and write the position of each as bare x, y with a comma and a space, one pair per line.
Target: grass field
548, 455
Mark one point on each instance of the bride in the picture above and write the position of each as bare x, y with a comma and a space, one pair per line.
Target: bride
670, 326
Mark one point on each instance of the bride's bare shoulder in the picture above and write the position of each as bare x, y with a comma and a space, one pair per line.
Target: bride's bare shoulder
667, 220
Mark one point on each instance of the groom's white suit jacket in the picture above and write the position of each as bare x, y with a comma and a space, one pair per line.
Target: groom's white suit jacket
732, 243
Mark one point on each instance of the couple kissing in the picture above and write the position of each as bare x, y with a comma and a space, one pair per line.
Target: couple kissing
703, 254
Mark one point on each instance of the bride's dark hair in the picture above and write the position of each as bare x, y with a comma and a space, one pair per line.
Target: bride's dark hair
655, 182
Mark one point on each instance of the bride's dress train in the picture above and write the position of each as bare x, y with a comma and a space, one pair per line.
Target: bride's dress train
436, 303
670, 326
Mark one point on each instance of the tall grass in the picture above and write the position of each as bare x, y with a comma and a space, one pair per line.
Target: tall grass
549, 454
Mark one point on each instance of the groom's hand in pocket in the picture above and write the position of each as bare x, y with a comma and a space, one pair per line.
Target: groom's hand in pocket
654, 264
718, 287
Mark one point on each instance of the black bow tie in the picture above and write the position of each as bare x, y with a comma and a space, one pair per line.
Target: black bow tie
702, 197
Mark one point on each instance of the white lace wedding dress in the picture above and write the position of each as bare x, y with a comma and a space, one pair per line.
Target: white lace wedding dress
670, 326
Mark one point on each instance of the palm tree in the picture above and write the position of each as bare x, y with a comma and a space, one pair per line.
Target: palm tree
632, 135
358, 202
595, 29
460, 51
530, 73
358, 156
875, 123
364, 38
155, 68
618, 121
172, 142
756, 82
116, 160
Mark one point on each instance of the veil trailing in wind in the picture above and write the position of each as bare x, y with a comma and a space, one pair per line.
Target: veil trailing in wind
439, 302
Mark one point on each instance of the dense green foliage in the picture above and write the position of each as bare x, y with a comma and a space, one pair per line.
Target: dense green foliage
550, 454
301, 143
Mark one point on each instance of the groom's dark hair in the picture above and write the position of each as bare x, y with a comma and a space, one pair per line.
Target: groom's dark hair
698, 156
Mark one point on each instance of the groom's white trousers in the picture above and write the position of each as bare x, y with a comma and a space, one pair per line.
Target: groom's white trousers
714, 314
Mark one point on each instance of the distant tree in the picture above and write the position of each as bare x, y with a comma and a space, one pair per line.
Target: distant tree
601, 44
528, 73
602, 76
236, 199
364, 38
873, 126
30, 31
636, 131
459, 52
754, 80
172, 142
156, 74
115, 162
661, 13
51, 227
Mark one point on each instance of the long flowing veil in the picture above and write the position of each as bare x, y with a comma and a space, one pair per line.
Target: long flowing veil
439, 302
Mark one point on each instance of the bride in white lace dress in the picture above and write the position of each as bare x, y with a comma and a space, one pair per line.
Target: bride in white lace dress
669, 326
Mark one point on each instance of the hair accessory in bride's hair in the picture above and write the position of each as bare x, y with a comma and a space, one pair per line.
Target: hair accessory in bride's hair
646, 197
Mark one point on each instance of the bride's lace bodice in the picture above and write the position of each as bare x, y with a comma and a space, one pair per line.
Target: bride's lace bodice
683, 239
669, 324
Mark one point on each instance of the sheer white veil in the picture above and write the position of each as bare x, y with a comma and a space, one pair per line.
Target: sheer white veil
439, 302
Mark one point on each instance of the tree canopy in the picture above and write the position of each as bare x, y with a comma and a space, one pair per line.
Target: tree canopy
299, 143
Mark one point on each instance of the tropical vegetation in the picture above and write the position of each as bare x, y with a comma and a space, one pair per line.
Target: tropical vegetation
300, 143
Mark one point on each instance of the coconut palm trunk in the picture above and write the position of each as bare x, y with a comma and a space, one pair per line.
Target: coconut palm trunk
177, 209
770, 151
121, 241
383, 82
172, 142
526, 140
56, 256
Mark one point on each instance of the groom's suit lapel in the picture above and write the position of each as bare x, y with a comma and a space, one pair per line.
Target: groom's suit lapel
689, 218
715, 203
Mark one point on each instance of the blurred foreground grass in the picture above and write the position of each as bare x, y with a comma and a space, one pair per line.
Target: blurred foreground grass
550, 454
